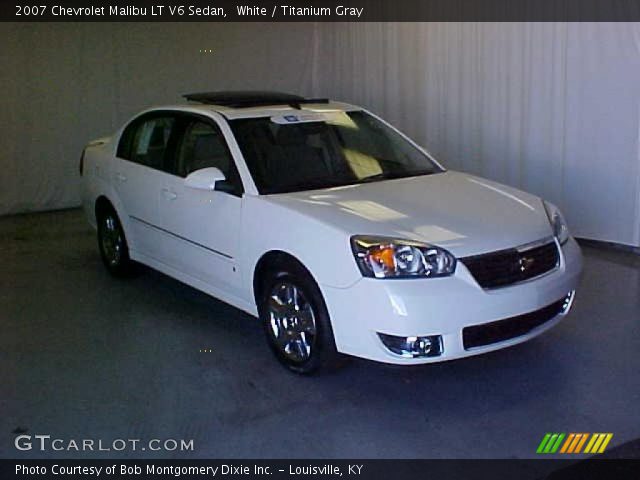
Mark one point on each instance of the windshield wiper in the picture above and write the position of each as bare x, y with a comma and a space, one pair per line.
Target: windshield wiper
390, 176
376, 177
315, 184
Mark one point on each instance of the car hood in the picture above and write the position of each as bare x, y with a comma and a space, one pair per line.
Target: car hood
465, 214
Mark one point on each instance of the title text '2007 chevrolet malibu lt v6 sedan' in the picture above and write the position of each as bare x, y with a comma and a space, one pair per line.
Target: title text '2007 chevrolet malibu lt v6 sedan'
339, 232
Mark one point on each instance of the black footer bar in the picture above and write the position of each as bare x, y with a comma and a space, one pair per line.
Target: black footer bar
543, 469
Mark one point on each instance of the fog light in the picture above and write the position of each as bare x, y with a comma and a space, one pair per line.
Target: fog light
568, 301
413, 347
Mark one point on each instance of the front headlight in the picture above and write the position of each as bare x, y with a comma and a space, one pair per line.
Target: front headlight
384, 257
558, 223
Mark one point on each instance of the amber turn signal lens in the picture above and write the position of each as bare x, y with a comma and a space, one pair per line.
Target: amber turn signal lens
385, 255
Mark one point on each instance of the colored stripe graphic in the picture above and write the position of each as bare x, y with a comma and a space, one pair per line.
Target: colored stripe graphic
555, 447
598, 442
605, 442
594, 437
550, 443
581, 443
543, 443
567, 442
573, 443
596, 446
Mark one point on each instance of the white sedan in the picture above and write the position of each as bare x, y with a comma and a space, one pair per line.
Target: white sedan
333, 228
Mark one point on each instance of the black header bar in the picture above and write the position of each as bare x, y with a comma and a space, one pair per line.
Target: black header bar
320, 10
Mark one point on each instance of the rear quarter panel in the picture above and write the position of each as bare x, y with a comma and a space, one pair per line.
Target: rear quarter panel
97, 181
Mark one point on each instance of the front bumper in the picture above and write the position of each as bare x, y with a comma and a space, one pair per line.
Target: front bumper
441, 306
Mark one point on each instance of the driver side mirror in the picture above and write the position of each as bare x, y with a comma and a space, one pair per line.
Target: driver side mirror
205, 179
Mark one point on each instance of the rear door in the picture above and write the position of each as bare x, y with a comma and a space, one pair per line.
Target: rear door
202, 226
139, 178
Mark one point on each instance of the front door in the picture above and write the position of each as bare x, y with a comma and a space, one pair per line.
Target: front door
203, 226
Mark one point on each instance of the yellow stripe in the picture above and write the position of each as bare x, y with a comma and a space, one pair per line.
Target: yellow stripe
591, 442
574, 443
606, 442
598, 442
567, 442
584, 439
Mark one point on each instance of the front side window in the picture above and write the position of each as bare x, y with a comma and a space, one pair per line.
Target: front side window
341, 148
203, 146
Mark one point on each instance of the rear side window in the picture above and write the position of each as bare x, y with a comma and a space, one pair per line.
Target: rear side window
150, 142
146, 141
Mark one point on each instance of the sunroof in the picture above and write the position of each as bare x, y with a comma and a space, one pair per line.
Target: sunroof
245, 99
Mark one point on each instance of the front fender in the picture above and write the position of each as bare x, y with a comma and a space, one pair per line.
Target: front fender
323, 249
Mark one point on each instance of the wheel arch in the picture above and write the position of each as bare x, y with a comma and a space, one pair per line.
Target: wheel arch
104, 203
271, 260
326, 357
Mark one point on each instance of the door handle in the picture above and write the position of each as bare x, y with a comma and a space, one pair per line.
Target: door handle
166, 193
120, 177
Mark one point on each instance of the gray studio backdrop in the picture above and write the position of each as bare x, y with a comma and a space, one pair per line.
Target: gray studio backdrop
553, 108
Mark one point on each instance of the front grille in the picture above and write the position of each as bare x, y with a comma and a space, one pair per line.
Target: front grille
506, 267
501, 330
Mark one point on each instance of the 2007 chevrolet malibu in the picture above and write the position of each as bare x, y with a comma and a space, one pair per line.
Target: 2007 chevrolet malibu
333, 228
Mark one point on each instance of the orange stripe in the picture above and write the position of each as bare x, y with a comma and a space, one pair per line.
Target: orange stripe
567, 442
584, 439
575, 442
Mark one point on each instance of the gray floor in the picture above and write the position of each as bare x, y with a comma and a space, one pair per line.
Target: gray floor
85, 356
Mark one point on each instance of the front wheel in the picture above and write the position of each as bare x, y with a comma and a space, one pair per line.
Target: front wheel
296, 323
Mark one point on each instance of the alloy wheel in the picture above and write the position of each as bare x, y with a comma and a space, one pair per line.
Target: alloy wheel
292, 321
112, 240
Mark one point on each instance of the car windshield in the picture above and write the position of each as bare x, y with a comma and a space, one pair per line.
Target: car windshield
333, 149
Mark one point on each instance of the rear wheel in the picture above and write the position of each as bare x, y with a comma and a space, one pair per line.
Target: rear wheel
113, 244
296, 322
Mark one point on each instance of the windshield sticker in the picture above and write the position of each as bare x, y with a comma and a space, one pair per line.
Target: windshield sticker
298, 118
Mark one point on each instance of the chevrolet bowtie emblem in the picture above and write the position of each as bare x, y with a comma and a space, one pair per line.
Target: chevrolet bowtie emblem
525, 263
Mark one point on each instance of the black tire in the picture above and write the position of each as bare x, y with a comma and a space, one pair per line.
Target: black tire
113, 244
322, 354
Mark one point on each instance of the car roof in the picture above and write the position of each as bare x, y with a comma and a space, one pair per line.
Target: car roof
250, 104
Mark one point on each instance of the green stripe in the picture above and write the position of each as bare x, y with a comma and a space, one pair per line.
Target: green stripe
557, 445
543, 443
550, 443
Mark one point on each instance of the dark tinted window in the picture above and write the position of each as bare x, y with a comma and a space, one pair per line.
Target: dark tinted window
340, 149
203, 146
126, 139
146, 139
150, 141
